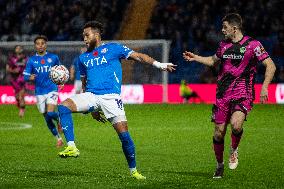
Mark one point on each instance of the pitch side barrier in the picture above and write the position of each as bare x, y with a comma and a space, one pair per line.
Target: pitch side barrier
153, 94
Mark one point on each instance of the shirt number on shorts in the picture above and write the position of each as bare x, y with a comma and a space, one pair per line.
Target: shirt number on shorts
54, 96
119, 103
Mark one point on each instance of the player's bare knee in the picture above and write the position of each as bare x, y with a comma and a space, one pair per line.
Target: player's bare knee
69, 104
237, 125
237, 129
120, 127
219, 134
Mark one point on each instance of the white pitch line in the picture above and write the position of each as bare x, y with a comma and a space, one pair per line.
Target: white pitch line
14, 126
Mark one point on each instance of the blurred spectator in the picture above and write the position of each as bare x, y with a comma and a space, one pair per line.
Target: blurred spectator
192, 21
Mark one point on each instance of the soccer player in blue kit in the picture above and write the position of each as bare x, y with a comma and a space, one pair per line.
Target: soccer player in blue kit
101, 75
37, 70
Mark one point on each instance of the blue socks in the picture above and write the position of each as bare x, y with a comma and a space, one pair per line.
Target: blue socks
128, 148
53, 115
66, 122
50, 124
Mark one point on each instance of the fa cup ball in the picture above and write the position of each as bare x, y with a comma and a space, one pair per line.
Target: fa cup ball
59, 74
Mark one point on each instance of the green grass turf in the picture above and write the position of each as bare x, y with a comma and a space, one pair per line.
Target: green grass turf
173, 145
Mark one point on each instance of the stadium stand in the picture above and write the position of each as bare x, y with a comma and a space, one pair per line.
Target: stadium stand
59, 20
195, 25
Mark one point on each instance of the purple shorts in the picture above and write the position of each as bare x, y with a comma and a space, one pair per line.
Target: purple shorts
224, 108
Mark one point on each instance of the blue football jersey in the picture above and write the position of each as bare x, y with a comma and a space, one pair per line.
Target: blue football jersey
76, 67
102, 68
40, 66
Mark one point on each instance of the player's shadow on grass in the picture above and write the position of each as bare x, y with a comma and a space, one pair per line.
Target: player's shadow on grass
191, 173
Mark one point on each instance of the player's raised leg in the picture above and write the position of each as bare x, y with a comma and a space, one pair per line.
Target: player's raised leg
237, 120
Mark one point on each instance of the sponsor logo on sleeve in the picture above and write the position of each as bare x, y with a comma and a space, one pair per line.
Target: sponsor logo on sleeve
126, 48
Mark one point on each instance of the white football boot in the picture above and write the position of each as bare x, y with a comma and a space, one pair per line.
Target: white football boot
233, 160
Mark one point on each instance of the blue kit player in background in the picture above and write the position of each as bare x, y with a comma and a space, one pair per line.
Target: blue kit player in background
37, 70
101, 76
75, 73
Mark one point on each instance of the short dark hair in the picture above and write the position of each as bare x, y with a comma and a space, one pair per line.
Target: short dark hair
18, 46
41, 37
234, 19
94, 25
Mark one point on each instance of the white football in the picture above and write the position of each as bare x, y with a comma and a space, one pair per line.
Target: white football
59, 74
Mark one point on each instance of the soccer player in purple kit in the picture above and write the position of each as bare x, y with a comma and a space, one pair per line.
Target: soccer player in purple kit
37, 70
238, 56
15, 67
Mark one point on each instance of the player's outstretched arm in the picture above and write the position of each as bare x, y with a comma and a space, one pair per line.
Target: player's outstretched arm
29, 77
140, 57
209, 61
269, 73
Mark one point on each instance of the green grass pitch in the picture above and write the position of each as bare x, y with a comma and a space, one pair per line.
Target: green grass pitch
173, 145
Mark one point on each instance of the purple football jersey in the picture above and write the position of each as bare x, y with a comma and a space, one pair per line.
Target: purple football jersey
238, 67
17, 79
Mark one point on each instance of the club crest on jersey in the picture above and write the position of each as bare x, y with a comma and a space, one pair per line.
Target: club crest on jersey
259, 50
104, 50
42, 61
242, 50
49, 60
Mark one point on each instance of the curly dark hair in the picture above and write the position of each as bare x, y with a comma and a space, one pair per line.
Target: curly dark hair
94, 25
